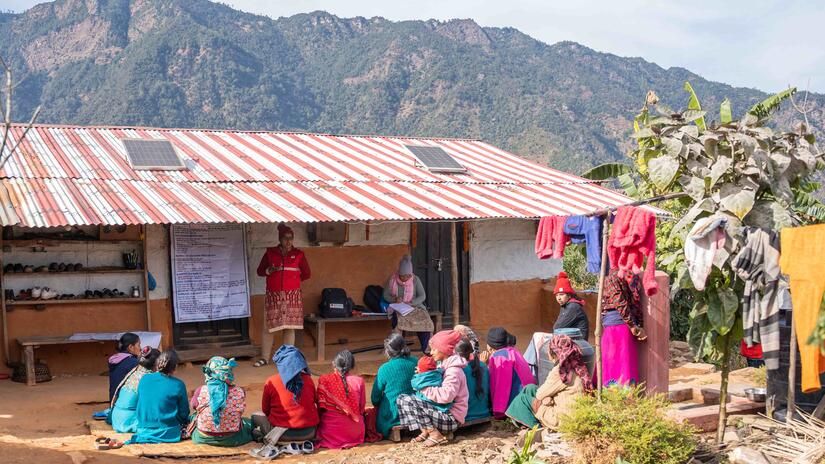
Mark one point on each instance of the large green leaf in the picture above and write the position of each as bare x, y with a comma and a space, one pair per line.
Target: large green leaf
719, 168
766, 106
768, 215
693, 104
704, 206
722, 306
673, 145
628, 185
607, 171
663, 170
694, 186
736, 200
725, 115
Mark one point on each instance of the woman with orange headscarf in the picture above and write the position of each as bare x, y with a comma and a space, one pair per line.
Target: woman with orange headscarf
284, 267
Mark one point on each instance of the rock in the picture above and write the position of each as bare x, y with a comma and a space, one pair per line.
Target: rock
702, 367
745, 455
77, 457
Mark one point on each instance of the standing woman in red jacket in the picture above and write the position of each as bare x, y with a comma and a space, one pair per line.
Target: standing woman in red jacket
284, 267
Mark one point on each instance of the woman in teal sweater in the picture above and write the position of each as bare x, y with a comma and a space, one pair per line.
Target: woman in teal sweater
478, 382
162, 407
394, 378
124, 403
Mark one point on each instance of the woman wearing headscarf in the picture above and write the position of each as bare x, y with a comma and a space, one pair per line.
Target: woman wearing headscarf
406, 287
284, 267
417, 414
567, 381
124, 402
394, 378
341, 403
509, 371
622, 321
218, 407
289, 408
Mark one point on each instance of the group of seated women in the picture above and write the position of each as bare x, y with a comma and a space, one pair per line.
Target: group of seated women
455, 383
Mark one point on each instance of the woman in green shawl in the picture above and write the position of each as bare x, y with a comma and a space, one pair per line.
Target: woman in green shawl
218, 407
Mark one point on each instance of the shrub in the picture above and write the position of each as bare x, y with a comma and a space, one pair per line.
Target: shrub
626, 425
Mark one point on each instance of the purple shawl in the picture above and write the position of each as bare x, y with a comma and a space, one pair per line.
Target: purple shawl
501, 376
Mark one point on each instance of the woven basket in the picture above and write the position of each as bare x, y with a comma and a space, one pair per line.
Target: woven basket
41, 373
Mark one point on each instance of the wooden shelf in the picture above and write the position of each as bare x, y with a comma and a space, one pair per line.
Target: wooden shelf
58, 241
91, 270
79, 301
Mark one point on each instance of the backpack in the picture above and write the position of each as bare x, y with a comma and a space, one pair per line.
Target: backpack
334, 303
373, 295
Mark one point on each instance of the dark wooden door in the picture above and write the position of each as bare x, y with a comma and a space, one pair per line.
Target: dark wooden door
433, 262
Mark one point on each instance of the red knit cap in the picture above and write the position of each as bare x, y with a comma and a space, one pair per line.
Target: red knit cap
563, 285
445, 341
283, 229
426, 364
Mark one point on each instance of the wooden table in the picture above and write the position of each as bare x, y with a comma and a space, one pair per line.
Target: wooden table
28, 344
320, 324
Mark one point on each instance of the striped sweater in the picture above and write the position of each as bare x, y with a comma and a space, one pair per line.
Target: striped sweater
757, 264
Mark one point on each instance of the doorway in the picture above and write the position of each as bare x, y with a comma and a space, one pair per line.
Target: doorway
433, 261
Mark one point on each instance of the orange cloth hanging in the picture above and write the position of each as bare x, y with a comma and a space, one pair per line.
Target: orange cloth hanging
802, 251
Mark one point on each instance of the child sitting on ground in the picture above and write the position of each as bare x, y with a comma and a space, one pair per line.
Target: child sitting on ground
429, 375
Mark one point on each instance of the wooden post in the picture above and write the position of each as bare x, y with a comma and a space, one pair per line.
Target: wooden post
146, 279
6, 354
454, 275
791, 410
598, 334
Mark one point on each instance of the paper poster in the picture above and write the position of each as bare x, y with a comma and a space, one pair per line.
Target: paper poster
209, 272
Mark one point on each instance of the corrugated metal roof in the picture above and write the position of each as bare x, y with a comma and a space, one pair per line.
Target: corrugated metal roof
80, 175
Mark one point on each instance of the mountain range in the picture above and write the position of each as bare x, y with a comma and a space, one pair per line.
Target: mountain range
194, 63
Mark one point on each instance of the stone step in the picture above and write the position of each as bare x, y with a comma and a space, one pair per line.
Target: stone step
706, 418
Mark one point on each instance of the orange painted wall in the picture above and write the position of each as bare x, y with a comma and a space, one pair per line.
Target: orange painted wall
85, 358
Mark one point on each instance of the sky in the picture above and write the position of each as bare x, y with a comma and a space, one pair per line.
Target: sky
763, 44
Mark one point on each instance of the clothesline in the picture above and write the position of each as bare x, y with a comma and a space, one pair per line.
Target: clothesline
656, 199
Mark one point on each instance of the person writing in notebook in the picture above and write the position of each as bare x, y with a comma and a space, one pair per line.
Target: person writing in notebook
405, 288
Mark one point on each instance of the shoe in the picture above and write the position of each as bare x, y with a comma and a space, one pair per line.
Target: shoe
97, 294
77, 267
8, 268
28, 269
107, 293
53, 267
18, 267
61, 267
37, 292
41, 269
9, 294
48, 294
89, 294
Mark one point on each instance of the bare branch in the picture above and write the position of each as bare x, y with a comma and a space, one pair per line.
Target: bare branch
22, 136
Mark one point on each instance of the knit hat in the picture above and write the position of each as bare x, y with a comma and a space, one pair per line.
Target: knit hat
563, 285
445, 341
426, 364
498, 337
283, 229
405, 267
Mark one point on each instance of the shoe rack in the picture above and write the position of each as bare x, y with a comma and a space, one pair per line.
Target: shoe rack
127, 239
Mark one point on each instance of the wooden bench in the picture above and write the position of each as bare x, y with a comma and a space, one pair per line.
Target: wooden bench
28, 344
320, 324
395, 432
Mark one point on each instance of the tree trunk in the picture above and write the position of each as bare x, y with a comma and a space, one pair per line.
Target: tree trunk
723, 393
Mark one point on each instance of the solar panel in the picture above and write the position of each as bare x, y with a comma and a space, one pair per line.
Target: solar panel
435, 158
152, 154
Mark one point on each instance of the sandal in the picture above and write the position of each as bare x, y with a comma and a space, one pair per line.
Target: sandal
106, 443
420, 438
266, 452
260, 363
430, 442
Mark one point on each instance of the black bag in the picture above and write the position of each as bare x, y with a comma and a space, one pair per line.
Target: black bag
334, 303
372, 298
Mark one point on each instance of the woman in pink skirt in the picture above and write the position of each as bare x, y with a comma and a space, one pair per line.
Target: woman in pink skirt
622, 328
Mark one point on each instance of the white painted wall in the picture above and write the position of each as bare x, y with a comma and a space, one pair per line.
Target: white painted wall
504, 249
157, 247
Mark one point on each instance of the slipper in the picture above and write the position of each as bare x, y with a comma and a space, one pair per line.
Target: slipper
419, 438
105, 443
307, 447
430, 442
266, 452
292, 448
260, 363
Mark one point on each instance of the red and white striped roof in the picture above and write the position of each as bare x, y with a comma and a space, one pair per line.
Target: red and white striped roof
67, 175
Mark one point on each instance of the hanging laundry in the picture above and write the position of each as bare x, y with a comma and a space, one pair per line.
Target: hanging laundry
757, 264
803, 251
632, 239
587, 230
705, 246
550, 238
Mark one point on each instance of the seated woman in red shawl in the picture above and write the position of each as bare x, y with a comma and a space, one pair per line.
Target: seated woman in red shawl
341, 402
